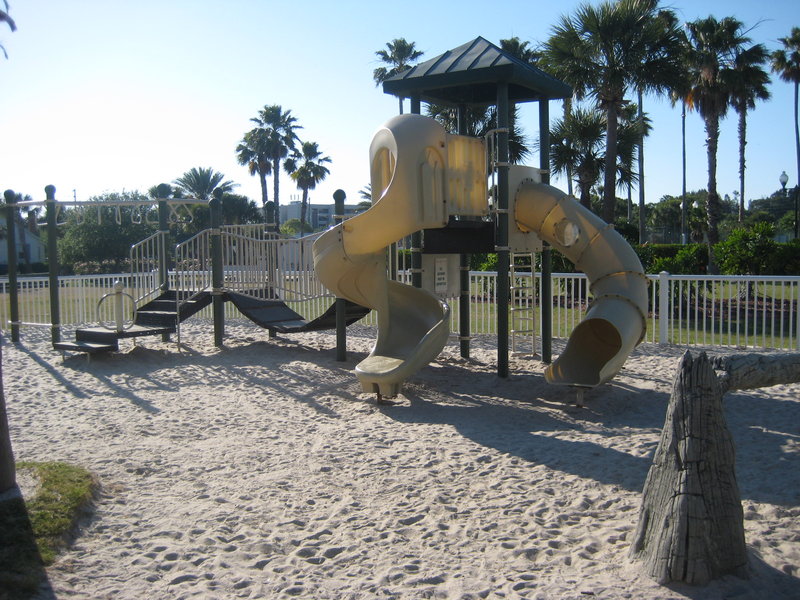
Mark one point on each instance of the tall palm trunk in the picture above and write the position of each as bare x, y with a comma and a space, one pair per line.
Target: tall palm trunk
609, 181
303, 212
276, 183
585, 185
797, 134
742, 143
713, 207
641, 169
262, 179
567, 111
684, 203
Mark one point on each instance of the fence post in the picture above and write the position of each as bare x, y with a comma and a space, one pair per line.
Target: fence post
663, 307
51, 210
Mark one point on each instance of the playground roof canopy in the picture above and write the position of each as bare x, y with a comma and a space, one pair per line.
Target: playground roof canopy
470, 74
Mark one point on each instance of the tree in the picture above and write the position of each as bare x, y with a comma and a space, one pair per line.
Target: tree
252, 152
713, 46
278, 128
92, 235
6, 18
576, 149
786, 63
749, 83
200, 182
307, 168
293, 227
604, 50
400, 55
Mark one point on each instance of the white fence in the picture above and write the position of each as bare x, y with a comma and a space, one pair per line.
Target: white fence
686, 310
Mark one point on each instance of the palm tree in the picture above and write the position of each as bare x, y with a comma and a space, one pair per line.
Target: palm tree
201, 182
604, 50
307, 168
714, 45
481, 120
786, 63
749, 83
400, 54
6, 18
278, 128
252, 152
576, 149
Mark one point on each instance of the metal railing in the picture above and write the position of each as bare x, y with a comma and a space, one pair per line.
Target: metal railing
685, 310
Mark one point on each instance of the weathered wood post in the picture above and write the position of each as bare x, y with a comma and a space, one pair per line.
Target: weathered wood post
691, 526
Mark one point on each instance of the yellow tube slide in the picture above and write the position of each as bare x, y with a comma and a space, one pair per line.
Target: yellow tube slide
408, 165
616, 320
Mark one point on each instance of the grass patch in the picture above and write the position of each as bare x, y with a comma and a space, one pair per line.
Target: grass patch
32, 534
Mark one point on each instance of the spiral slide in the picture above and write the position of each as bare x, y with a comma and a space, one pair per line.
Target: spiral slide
420, 175
616, 320
408, 165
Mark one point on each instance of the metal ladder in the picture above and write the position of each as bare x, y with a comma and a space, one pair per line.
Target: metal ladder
523, 304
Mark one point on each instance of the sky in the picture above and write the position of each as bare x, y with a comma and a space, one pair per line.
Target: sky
110, 95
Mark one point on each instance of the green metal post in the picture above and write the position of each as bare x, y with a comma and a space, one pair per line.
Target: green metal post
546, 304
464, 295
416, 237
11, 241
339, 197
217, 291
501, 238
52, 261
163, 230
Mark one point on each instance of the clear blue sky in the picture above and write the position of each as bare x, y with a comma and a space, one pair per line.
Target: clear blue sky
106, 95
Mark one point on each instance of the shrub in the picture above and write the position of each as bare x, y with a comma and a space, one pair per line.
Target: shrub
748, 251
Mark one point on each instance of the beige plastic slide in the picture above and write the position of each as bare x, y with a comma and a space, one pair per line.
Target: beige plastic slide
408, 159
616, 320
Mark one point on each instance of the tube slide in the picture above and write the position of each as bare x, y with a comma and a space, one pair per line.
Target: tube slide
616, 320
408, 165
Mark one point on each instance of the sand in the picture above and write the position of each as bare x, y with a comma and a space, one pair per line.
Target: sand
261, 470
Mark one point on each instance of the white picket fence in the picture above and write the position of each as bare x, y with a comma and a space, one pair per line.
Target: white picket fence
685, 310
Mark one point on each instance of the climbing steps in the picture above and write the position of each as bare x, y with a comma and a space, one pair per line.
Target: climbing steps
157, 317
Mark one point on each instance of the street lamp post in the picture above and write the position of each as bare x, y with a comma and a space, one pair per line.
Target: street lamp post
784, 179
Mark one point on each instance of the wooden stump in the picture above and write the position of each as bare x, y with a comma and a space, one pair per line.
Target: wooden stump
691, 522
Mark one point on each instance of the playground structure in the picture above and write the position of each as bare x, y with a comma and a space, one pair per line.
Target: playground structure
421, 178
258, 271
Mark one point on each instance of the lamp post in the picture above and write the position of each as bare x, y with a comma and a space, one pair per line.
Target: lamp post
784, 179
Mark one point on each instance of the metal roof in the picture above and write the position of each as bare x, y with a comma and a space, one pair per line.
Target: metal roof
469, 75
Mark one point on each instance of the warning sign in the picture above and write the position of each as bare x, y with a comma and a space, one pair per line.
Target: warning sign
440, 275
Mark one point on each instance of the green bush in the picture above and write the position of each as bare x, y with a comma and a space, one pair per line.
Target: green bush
748, 251
689, 260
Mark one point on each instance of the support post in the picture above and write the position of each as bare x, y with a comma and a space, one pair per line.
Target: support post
163, 229
217, 291
501, 224
11, 242
546, 296
464, 291
663, 308
416, 237
52, 261
339, 197
691, 524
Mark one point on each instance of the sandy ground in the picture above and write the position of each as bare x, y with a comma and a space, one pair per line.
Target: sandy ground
261, 470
